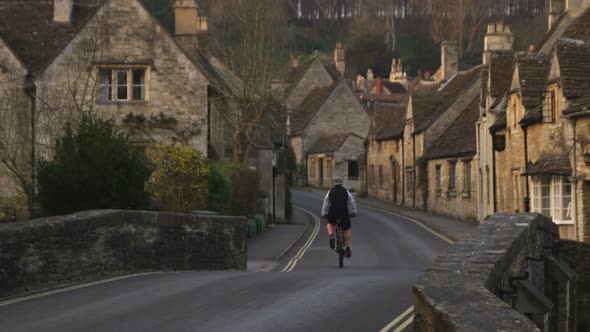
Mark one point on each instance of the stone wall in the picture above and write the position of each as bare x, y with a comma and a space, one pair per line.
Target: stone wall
46, 252
390, 187
475, 286
124, 35
577, 256
462, 201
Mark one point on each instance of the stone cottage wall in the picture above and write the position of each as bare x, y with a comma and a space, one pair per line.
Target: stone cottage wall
381, 157
315, 77
125, 34
460, 203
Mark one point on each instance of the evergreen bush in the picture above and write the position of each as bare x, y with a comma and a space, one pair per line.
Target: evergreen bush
93, 167
220, 189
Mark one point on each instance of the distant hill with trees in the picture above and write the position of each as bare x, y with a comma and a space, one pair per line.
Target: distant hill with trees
373, 31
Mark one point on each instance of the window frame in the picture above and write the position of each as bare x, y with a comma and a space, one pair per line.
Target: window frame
467, 179
438, 180
452, 176
548, 113
353, 165
555, 187
130, 84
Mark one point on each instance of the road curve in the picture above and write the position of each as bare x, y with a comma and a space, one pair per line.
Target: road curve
368, 294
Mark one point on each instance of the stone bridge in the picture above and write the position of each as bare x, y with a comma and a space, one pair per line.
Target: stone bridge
42, 253
512, 274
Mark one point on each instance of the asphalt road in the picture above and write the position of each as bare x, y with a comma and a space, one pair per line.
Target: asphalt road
373, 289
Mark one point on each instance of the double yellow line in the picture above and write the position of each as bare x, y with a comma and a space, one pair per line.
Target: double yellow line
316, 229
407, 317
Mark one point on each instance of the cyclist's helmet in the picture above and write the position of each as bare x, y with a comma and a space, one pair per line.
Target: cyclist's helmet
337, 182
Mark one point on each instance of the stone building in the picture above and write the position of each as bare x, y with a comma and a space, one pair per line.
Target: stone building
330, 112
432, 108
385, 153
316, 72
522, 108
115, 57
452, 172
393, 89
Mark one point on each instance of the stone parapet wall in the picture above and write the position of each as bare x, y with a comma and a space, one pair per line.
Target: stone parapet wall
464, 288
577, 256
47, 252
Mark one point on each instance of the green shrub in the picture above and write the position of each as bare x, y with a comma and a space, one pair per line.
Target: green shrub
181, 178
260, 223
219, 188
252, 228
93, 167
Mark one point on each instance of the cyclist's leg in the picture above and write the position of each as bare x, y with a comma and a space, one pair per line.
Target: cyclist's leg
330, 229
348, 237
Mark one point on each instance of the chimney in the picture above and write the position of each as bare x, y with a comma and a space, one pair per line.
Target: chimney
339, 58
556, 9
191, 30
379, 86
498, 38
62, 11
449, 61
370, 76
576, 7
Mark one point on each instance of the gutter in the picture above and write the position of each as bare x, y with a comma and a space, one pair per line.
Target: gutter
527, 199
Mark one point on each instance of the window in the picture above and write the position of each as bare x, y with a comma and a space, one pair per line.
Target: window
329, 168
410, 180
549, 107
552, 197
380, 176
452, 175
372, 175
438, 180
312, 166
353, 170
467, 179
122, 84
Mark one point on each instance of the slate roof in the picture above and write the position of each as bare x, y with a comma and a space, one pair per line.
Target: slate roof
303, 114
27, 27
574, 63
459, 140
394, 87
580, 28
499, 122
579, 107
501, 70
294, 75
429, 108
330, 143
533, 69
551, 163
390, 120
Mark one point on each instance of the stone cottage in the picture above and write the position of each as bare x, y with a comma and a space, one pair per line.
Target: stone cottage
452, 172
385, 153
511, 129
432, 108
331, 114
114, 57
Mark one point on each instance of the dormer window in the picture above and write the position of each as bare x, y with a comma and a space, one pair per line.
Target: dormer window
123, 84
549, 107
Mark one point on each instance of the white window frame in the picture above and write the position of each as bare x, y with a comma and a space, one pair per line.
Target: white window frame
556, 210
114, 84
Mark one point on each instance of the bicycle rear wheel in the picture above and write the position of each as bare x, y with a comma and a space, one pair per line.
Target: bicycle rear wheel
340, 246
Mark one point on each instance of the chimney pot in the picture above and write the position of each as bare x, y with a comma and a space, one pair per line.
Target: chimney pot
62, 11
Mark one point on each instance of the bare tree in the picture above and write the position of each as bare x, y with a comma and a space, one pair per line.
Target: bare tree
250, 46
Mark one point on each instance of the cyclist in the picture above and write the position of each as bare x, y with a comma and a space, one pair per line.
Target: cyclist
339, 204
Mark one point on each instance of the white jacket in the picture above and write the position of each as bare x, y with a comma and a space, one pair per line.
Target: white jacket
351, 204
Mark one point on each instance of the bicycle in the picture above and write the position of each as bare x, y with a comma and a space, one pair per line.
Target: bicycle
339, 243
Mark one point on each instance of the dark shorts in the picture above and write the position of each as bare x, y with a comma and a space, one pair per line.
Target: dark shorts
344, 221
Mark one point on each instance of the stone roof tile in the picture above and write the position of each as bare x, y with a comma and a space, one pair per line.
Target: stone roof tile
574, 62
303, 115
389, 120
501, 70
550, 163
459, 140
329, 143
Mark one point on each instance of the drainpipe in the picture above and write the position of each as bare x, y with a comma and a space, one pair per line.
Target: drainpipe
494, 179
527, 199
575, 185
415, 170
31, 91
403, 170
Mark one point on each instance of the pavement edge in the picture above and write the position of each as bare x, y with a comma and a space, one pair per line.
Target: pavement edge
289, 247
